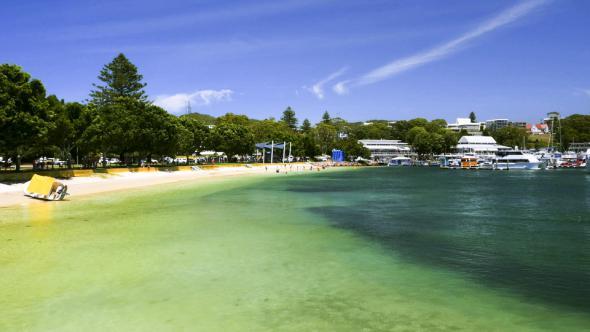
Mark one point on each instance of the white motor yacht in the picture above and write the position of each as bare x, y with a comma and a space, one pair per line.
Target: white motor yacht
507, 160
400, 161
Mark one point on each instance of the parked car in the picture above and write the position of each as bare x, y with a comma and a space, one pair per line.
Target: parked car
50, 161
109, 161
5, 162
148, 161
181, 160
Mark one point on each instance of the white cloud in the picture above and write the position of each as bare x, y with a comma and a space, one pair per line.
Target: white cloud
398, 66
318, 88
203, 15
585, 92
177, 103
341, 88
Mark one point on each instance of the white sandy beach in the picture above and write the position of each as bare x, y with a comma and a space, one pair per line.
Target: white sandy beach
13, 194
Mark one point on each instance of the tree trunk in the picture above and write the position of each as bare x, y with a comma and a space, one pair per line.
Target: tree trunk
18, 162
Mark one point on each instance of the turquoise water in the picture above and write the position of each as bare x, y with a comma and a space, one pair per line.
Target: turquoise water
379, 249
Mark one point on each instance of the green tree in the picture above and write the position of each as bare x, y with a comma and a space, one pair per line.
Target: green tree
450, 140
241, 120
575, 128
62, 135
289, 118
412, 133
108, 130
196, 137
400, 129
233, 139
306, 126
423, 143
157, 132
205, 119
326, 136
418, 122
376, 130
353, 149
437, 142
120, 78
436, 126
121, 114
326, 118
472, 117
309, 146
270, 130
25, 118
511, 136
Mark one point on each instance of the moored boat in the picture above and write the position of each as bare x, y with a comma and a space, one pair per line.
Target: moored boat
469, 162
449, 161
400, 161
516, 160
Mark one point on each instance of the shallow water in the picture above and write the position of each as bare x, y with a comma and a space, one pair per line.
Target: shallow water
370, 249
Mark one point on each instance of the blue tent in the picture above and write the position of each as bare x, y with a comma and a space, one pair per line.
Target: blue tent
337, 155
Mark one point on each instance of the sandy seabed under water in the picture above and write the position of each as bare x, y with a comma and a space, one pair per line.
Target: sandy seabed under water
235, 254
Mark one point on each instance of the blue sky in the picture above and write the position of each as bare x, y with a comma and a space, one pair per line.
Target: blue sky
357, 59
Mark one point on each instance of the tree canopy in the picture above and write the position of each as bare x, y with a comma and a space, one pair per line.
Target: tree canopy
120, 79
26, 117
289, 118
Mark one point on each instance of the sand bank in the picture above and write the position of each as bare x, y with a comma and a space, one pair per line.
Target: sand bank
13, 194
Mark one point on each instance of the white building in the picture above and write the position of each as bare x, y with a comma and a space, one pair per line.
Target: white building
466, 124
496, 124
479, 145
385, 149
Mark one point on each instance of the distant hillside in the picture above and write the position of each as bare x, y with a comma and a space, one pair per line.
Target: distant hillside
204, 118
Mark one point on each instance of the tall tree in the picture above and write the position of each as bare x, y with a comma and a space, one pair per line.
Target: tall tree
289, 118
326, 118
120, 78
326, 136
472, 117
25, 118
117, 107
63, 134
306, 126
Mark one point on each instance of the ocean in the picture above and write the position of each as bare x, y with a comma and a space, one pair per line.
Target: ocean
368, 249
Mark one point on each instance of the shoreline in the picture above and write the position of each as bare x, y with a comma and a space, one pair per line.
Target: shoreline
12, 195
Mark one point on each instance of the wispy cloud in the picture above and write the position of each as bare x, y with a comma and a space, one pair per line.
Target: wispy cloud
404, 64
341, 87
584, 92
177, 103
318, 88
204, 15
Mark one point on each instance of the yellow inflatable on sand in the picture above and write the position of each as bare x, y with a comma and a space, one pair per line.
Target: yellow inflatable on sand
46, 188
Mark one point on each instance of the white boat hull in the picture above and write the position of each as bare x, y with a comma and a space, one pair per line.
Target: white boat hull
58, 195
524, 165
